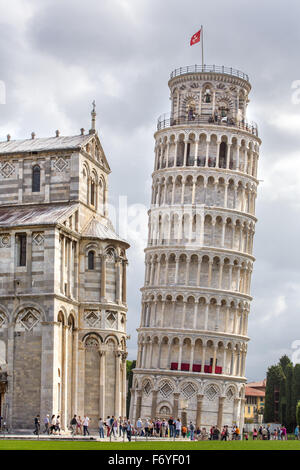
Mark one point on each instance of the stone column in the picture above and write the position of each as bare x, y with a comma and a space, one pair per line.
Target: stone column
64, 382
124, 386
192, 356
103, 279
214, 361
154, 403
102, 384
220, 412
124, 282
81, 381
138, 404
176, 405
132, 402
29, 261
117, 389
75, 371
47, 368
118, 280
199, 410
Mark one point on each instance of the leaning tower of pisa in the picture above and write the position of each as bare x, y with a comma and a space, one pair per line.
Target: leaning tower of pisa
192, 339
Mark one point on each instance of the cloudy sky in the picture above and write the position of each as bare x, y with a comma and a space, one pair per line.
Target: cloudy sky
57, 56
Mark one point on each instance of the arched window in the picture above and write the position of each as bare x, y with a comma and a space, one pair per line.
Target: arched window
223, 155
91, 260
36, 179
92, 192
207, 96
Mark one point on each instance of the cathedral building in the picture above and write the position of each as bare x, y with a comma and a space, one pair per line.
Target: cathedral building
192, 339
62, 283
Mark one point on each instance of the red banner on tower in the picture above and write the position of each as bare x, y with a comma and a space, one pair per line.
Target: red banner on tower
195, 38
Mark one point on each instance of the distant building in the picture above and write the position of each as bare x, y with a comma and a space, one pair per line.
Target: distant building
255, 393
62, 283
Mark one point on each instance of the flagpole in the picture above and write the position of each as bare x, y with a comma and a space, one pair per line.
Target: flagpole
202, 46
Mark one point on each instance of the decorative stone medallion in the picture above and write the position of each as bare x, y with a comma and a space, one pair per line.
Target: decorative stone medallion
92, 318
211, 392
38, 238
7, 169
5, 240
60, 164
29, 319
189, 390
165, 389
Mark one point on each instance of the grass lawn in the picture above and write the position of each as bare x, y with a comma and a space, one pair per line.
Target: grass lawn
160, 445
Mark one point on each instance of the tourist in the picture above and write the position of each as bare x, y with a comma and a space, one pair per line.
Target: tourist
57, 424
129, 430
192, 430
283, 433
139, 427
237, 433
171, 426
46, 424
120, 426
216, 433
177, 427
296, 432
79, 425
184, 431
86, 422
147, 428
37, 425
115, 428
101, 428
254, 434
111, 426
73, 424
107, 423
164, 428
124, 426
224, 433
53, 425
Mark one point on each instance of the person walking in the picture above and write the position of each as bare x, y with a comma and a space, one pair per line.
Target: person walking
79, 425
37, 425
296, 432
57, 424
177, 427
115, 428
101, 428
192, 430
47, 425
171, 426
129, 430
53, 425
86, 422
111, 426
73, 424
139, 427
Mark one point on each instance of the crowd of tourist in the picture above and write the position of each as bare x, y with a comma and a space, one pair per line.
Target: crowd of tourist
114, 428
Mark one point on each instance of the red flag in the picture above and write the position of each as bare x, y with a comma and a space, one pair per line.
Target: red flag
195, 38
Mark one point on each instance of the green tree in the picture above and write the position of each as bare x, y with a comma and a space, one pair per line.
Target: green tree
290, 404
130, 365
298, 413
275, 377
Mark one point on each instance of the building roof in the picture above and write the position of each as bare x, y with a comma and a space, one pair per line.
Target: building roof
253, 392
35, 215
261, 384
44, 144
103, 230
